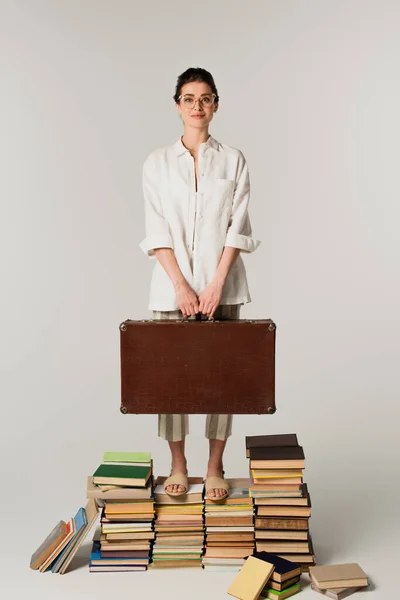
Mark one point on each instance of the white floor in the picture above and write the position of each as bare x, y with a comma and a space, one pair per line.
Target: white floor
353, 520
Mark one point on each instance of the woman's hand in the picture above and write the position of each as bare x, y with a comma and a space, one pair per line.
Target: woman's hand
210, 298
186, 299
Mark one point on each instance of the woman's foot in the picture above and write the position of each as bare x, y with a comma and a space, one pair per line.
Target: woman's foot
215, 470
177, 467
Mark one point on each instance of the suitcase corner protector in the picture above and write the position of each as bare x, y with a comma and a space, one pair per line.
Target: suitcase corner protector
271, 410
123, 409
272, 326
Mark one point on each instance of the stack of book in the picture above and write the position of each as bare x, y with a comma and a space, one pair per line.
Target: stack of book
179, 526
123, 487
229, 528
265, 575
281, 498
285, 578
56, 552
338, 581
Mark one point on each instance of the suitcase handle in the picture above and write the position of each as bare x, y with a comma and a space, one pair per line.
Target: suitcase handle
184, 319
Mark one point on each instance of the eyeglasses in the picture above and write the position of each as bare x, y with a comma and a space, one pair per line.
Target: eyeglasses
188, 102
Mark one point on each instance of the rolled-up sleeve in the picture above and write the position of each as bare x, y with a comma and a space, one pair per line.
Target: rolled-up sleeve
239, 232
157, 229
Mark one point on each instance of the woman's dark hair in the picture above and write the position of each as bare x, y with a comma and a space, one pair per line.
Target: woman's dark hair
195, 74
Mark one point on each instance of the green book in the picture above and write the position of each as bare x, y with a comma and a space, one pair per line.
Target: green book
125, 475
275, 595
127, 457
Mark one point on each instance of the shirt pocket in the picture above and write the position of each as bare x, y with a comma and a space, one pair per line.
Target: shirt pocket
222, 195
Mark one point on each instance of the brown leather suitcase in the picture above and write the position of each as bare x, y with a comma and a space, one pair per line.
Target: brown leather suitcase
183, 366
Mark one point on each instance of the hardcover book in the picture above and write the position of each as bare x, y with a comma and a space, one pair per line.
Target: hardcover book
338, 576
280, 453
46, 548
122, 475
283, 569
338, 593
116, 493
139, 457
269, 441
251, 579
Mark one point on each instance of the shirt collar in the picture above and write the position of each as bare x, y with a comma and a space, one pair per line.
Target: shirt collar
180, 149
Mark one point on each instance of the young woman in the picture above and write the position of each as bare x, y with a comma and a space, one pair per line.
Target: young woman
196, 193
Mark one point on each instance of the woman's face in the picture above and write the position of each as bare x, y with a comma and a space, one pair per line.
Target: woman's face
194, 113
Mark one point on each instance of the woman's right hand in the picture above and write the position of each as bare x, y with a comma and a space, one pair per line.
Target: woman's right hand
186, 299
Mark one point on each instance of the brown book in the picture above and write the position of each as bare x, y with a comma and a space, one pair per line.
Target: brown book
227, 501
299, 558
283, 511
277, 453
220, 552
337, 593
226, 537
276, 546
270, 481
281, 501
47, 547
338, 576
279, 587
171, 518
138, 535
124, 547
277, 523
285, 457
127, 508
275, 487
270, 441
280, 534
251, 579
124, 554
71, 529
233, 544
119, 493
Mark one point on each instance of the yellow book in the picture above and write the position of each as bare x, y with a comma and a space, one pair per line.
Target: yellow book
275, 473
251, 579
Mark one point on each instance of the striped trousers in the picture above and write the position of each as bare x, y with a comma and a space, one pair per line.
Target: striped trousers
174, 427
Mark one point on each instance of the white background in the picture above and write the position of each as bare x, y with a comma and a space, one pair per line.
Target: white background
309, 91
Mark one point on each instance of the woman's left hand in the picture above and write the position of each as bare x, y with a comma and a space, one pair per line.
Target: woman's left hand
210, 298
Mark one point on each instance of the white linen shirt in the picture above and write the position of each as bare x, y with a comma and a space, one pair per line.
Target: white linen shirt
197, 225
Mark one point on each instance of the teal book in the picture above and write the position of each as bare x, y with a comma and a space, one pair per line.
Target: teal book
125, 475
